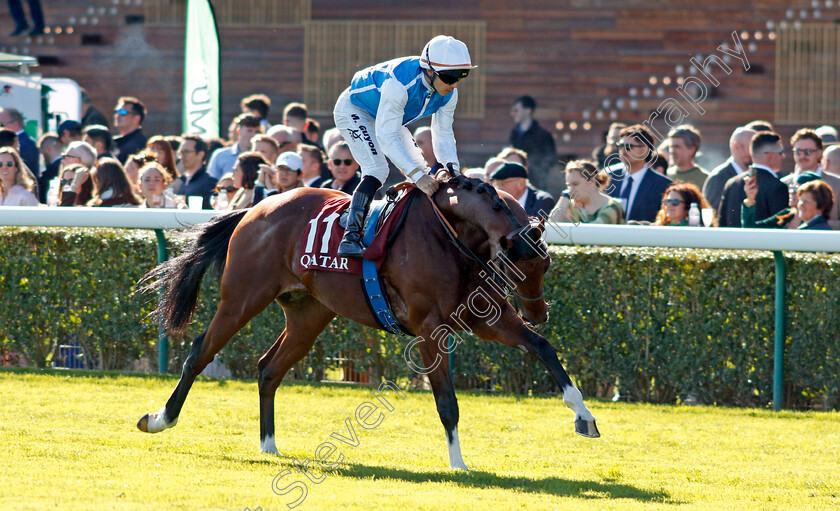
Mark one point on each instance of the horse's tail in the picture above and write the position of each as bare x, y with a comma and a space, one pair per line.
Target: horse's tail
179, 279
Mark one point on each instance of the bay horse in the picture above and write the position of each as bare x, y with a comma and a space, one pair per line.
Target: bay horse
428, 277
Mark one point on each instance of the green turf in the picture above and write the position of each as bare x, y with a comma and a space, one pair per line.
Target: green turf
69, 442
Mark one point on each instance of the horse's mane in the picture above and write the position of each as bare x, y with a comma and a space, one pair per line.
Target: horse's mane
466, 183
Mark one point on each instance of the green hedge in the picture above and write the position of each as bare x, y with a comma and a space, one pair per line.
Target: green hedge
658, 325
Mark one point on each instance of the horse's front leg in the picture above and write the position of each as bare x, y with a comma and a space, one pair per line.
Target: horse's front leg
435, 364
509, 329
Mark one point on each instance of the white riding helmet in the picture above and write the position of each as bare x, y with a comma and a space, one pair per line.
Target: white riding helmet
445, 53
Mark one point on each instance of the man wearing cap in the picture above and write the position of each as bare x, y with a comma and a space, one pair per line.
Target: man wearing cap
287, 174
828, 134
513, 179
372, 115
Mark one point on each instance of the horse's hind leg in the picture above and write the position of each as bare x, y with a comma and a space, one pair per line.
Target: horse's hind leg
511, 331
240, 303
305, 319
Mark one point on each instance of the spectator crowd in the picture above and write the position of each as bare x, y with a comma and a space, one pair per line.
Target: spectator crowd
631, 179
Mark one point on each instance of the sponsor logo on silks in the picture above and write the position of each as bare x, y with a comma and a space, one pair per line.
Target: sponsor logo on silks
355, 117
323, 261
309, 259
355, 134
367, 138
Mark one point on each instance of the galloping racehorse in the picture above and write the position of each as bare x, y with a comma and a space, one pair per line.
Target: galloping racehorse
428, 277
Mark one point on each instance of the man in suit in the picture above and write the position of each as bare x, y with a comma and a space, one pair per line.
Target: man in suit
529, 136
12, 119
736, 164
767, 155
808, 154
50, 146
513, 179
639, 188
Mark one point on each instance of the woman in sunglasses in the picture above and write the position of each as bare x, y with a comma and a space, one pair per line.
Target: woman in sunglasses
224, 191
678, 198
16, 187
584, 199
373, 112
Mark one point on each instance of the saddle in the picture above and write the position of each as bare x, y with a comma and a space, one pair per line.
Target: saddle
320, 240
319, 245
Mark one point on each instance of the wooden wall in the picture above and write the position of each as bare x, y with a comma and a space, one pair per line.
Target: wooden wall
576, 57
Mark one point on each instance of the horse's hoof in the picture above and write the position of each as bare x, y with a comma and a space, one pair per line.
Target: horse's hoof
268, 446
155, 422
586, 428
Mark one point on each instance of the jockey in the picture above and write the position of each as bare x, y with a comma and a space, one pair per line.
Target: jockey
372, 115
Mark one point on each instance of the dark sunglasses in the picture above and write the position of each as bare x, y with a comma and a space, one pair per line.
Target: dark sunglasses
452, 76
805, 152
121, 111
346, 162
9, 164
228, 189
629, 147
672, 202
65, 182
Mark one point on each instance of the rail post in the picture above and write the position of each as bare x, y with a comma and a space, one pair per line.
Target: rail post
779, 345
163, 340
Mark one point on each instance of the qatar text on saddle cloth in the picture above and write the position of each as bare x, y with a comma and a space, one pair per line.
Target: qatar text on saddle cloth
319, 245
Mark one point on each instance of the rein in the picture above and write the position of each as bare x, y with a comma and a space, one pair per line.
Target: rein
467, 252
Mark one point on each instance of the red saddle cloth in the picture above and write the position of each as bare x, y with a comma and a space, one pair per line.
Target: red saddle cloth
319, 244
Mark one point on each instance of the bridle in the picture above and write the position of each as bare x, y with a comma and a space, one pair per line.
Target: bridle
455, 239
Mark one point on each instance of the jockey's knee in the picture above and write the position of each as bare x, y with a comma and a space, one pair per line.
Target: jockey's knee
369, 185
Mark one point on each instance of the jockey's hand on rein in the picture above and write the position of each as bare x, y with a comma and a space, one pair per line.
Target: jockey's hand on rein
427, 184
449, 171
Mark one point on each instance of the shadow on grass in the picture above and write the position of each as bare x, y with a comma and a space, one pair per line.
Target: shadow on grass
477, 479
480, 479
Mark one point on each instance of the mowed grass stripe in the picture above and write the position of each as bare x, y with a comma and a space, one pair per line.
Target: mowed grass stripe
69, 441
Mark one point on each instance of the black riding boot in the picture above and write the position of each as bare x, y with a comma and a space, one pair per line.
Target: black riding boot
351, 243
